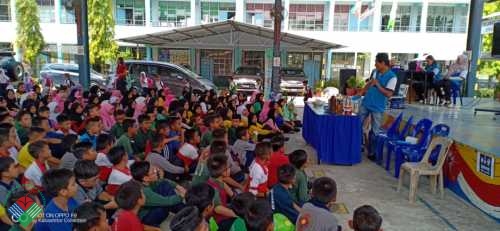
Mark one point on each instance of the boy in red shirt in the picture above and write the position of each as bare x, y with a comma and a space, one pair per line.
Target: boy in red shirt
130, 198
278, 159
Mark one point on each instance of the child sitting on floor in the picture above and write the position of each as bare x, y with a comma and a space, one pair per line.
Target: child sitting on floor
94, 216
300, 190
243, 147
120, 172
32, 179
188, 152
188, 219
366, 218
277, 159
259, 171
86, 174
218, 169
279, 196
60, 184
315, 214
202, 197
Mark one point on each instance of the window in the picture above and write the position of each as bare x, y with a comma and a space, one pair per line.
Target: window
4, 10
346, 20
222, 61
407, 17
402, 59
259, 14
363, 66
447, 19
67, 15
296, 59
138, 53
130, 12
253, 58
342, 61
172, 14
216, 11
46, 11
176, 56
306, 17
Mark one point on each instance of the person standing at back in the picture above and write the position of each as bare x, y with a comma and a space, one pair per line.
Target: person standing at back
377, 91
121, 76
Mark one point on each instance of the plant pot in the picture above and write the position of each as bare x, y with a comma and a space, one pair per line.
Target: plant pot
350, 91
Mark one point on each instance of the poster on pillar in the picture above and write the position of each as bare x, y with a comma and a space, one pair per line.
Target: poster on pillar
268, 70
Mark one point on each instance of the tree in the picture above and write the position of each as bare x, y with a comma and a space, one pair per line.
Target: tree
488, 67
103, 47
29, 37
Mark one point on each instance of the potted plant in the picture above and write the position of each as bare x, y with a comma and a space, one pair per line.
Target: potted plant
360, 84
351, 86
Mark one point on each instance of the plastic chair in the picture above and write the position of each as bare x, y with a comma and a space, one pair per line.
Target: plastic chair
456, 90
401, 136
423, 168
415, 153
442, 130
391, 133
422, 126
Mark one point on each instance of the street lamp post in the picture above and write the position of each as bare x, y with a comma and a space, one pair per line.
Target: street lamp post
278, 17
82, 31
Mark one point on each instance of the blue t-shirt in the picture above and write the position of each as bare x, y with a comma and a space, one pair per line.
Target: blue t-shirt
174, 145
88, 138
434, 68
57, 219
374, 100
282, 202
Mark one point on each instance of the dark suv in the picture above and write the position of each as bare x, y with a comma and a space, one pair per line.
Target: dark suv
173, 75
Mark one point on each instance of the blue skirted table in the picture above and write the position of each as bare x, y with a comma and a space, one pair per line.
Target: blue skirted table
336, 138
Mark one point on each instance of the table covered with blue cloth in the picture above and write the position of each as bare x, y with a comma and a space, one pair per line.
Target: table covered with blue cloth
336, 138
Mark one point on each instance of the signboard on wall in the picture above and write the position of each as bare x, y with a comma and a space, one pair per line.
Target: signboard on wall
485, 164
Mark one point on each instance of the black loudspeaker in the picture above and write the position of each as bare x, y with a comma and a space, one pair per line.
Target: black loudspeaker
344, 75
495, 46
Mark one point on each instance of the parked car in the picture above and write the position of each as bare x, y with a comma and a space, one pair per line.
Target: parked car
56, 71
173, 75
292, 80
13, 69
246, 78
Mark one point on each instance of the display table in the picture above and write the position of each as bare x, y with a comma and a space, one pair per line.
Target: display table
336, 138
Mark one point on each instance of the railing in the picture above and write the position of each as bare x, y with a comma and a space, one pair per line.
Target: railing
130, 22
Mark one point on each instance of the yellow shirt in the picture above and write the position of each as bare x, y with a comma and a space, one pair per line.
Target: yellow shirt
259, 129
24, 158
2, 211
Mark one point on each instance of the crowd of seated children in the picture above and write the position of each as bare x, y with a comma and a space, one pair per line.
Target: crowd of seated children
132, 160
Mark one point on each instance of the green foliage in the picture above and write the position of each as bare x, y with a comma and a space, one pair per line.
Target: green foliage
29, 37
126, 54
322, 84
485, 93
103, 47
351, 82
361, 83
489, 67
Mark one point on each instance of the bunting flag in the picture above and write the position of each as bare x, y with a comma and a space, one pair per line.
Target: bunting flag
357, 10
392, 18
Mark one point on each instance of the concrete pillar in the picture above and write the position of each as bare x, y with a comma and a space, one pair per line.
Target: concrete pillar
155, 53
377, 16
240, 11
149, 53
192, 59
236, 58
414, 17
195, 13
155, 13
58, 12
474, 42
60, 57
331, 10
423, 19
328, 64
147, 8
286, 14
284, 58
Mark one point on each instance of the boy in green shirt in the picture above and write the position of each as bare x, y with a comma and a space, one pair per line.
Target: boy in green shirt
214, 121
299, 191
218, 169
117, 130
127, 139
162, 196
144, 133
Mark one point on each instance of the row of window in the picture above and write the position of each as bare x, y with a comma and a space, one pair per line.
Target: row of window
310, 17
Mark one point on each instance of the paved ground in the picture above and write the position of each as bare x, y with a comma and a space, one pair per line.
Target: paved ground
368, 183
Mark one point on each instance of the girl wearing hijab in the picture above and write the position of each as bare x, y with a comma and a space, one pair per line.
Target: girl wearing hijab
457, 73
106, 112
12, 100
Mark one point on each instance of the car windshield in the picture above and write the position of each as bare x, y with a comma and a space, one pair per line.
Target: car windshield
189, 72
247, 71
293, 73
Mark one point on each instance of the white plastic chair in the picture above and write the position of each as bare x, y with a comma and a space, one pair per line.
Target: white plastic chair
424, 168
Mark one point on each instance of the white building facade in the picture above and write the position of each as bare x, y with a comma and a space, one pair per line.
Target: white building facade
436, 27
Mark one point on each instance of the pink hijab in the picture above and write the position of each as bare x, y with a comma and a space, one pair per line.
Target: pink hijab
138, 109
107, 115
253, 98
265, 110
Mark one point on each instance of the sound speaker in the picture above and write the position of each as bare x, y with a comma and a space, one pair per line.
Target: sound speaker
495, 46
344, 75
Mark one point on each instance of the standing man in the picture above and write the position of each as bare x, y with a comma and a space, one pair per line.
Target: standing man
121, 76
377, 90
